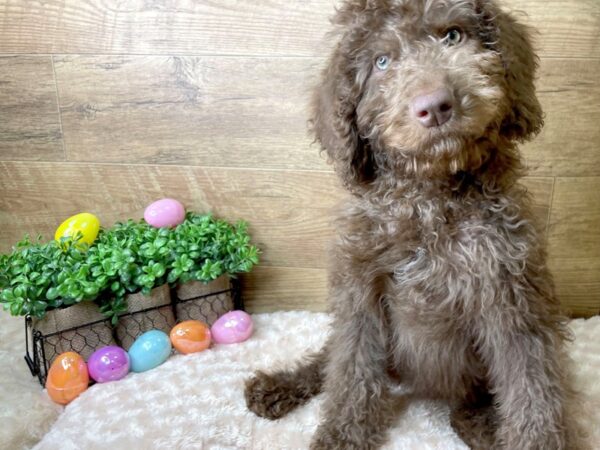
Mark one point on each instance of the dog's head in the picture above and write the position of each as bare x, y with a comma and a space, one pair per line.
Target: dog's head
424, 87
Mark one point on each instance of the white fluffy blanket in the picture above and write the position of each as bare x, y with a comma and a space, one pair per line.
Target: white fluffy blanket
196, 401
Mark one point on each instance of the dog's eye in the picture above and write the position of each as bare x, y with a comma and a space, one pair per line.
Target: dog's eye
453, 36
382, 62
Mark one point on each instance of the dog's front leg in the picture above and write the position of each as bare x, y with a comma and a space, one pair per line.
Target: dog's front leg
357, 407
523, 356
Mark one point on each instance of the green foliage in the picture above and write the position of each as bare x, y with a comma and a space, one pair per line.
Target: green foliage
129, 257
37, 276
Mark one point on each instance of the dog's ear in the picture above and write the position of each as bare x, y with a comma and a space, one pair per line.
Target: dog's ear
512, 40
335, 101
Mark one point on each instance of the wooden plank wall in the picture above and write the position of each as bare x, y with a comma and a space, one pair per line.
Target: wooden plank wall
106, 106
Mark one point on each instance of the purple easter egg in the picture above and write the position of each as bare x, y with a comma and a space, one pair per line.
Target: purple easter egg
164, 213
232, 327
108, 364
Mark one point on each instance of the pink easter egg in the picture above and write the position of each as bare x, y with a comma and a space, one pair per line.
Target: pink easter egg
232, 327
166, 212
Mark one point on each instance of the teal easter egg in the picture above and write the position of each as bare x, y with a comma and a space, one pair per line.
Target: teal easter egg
149, 350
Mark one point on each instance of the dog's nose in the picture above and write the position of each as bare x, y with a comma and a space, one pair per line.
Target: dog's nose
434, 109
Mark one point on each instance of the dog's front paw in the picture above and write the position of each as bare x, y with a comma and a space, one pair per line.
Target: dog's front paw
271, 396
329, 437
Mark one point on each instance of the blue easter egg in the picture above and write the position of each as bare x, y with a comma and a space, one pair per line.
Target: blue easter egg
149, 350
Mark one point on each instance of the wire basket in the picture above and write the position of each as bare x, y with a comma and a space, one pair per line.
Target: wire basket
42, 348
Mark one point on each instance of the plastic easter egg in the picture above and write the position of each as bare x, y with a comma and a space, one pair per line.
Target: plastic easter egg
149, 350
164, 213
108, 364
190, 336
232, 327
67, 378
88, 224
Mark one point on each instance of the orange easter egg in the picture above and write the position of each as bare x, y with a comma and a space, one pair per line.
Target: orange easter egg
190, 336
67, 378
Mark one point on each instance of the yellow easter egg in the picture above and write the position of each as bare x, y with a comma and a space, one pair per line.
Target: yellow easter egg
86, 223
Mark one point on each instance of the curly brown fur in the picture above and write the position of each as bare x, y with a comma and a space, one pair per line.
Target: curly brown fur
274, 395
438, 273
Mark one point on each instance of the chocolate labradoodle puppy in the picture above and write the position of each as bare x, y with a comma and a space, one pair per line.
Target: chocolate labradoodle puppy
438, 278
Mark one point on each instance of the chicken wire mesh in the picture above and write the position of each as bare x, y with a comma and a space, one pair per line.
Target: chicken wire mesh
132, 325
42, 348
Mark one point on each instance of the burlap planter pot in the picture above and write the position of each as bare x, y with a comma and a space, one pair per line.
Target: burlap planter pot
80, 328
204, 301
137, 320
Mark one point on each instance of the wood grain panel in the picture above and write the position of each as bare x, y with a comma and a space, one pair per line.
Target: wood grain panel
289, 211
569, 28
236, 112
185, 111
569, 143
565, 28
268, 289
260, 27
574, 243
29, 121
577, 285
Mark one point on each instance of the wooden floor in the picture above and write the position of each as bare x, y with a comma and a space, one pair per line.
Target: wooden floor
107, 105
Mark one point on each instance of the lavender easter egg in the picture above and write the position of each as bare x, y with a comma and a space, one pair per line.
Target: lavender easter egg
149, 350
108, 364
164, 213
232, 327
